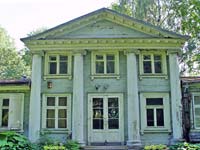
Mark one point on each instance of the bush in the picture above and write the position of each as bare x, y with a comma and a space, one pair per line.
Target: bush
72, 145
185, 146
155, 147
53, 147
12, 140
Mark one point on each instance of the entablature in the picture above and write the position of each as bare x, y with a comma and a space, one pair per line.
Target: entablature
77, 44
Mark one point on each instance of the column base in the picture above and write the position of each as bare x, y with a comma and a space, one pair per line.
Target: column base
175, 141
82, 143
134, 144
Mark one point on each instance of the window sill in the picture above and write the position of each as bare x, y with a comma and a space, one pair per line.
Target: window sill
57, 131
153, 76
155, 130
57, 77
12, 129
117, 76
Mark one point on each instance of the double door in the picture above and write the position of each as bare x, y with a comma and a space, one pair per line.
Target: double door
105, 118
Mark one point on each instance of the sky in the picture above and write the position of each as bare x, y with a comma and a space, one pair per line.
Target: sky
20, 17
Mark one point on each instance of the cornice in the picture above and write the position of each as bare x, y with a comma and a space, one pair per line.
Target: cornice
70, 44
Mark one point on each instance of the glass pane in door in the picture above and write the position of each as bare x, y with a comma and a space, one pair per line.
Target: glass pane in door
113, 113
97, 107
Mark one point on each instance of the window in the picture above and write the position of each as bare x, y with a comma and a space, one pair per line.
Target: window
105, 63
58, 65
56, 112
11, 111
4, 112
155, 112
196, 104
152, 63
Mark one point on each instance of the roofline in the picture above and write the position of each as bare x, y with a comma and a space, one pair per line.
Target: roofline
15, 82
111, 11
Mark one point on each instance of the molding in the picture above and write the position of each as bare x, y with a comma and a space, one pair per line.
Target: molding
15, 88
106, 43
68, 76
105, 76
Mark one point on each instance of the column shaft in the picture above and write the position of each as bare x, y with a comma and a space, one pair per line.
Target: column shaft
78, 101
175, 96
35, 107
133, 101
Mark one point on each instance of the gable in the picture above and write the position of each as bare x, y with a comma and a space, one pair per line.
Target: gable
102, 29
104, 23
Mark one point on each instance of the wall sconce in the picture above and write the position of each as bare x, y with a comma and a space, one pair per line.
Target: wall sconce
97, 86
49, 84
105, 86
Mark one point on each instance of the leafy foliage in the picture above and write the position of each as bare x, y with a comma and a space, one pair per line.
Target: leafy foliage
11, 65
185, 146
180, 16
53, 147
188, 11
155, 147
14, 141
72, 145
25, 52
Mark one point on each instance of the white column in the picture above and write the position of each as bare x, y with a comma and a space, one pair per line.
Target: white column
78, 100
175, 96
35, 109
133, 101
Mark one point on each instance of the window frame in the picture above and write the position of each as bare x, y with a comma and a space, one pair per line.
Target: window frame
44, 110
166, 111
163, 64
193, 110
105, 74
68, 75
14, 123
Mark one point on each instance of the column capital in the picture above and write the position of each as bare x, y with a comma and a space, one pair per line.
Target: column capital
174, 51
79, 52
40, 53
128, 51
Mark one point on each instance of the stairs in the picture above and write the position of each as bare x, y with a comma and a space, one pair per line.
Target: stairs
105, 148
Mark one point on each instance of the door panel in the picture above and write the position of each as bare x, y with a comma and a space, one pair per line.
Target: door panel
105, 118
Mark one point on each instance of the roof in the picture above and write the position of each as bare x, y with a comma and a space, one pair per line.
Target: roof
191, 79
15, 82
80, 21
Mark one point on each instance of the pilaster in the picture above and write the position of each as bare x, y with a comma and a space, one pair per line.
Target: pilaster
175, 96
35, 107
132, 101
78, 100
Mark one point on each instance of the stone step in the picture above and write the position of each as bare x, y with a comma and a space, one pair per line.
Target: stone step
105, 148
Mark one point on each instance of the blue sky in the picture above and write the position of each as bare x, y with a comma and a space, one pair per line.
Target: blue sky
20, 17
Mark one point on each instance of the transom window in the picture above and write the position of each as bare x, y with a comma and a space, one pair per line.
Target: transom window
58, 64
196, 103
155, 112
105, 63
152, 63
56, 112
4, 111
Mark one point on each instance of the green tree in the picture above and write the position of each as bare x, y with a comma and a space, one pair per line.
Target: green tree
180, 16
25, 52
11, 65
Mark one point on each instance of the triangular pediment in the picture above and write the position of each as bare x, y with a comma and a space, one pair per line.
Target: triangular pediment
104, 23
102, 29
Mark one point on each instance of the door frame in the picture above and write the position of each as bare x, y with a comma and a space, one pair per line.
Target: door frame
121, 115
